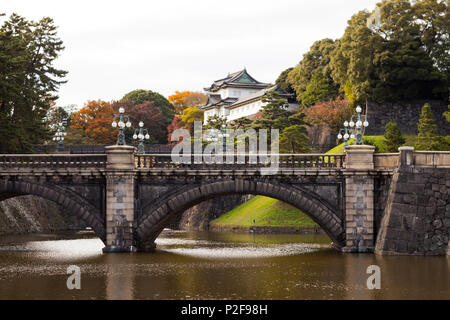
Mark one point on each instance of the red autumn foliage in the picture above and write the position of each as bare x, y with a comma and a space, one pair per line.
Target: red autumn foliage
330, 113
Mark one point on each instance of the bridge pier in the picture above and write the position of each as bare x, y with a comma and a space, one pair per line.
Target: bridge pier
120, 176
359, 199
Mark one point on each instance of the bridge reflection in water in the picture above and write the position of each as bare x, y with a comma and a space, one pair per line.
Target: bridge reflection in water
281, 267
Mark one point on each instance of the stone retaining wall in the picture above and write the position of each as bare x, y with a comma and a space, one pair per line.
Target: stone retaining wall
417, 216
31, 214
406, 114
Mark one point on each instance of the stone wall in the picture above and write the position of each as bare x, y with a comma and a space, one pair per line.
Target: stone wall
381, 193
417, 216
31, 214
406, 115
321, 138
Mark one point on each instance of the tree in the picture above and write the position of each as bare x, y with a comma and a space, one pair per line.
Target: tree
186, 99
282, 81
152, 117
432, 18
393, 136
330, 113
404, 57
95, 120
140, 96
317, 58
215, 122
28, 81
447, 114
190, 115
77, 136
320, 88
294, 139
56, 114
176, 124
274, 114
427, 139
241, 123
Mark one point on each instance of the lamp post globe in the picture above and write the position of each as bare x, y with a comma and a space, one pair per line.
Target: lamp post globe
357, 124
141, 135
121, 121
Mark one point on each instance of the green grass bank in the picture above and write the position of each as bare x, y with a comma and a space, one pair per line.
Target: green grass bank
265, 215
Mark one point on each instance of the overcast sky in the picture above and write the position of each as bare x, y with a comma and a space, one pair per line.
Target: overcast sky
113, 47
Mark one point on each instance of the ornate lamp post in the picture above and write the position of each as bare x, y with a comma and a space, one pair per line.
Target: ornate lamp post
121, 124
141, 135
354, 129
59, 135
343, 133
359, 124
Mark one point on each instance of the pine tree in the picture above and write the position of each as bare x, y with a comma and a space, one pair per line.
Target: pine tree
427, 138
274, 114
393, 136
28, 81
294, 139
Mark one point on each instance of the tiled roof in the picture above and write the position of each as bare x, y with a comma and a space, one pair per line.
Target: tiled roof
239, 78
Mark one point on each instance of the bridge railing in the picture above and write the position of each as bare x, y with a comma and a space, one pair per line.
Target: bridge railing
386, 160
52, 161
193, 161
432, 158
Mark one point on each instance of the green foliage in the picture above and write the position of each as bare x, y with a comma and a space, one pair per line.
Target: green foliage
447, 115
427, 138
378, 142
294, 139
320, 88
241, 123
316, 59
393, 136
77, 136
28, 81
283, 83
215, 122
140, 96
274, 114
404, 58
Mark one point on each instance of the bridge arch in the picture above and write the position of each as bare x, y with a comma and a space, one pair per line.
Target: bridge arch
70, 202
156, 216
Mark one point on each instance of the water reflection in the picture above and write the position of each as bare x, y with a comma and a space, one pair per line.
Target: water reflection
203, 265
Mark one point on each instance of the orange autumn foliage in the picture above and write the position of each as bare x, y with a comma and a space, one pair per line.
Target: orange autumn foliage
95, 119
186, 99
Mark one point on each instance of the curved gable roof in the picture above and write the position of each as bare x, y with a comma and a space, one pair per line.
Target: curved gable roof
239, 78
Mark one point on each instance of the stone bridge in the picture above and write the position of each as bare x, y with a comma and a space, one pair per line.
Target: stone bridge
128, 199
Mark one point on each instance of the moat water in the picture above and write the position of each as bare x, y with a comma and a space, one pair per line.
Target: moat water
206, 265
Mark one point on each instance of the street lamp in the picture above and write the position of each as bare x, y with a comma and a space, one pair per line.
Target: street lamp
343, 134
121, 124
59, 135
354, 129
141, 135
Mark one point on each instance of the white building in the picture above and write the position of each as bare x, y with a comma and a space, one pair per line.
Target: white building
239, 95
